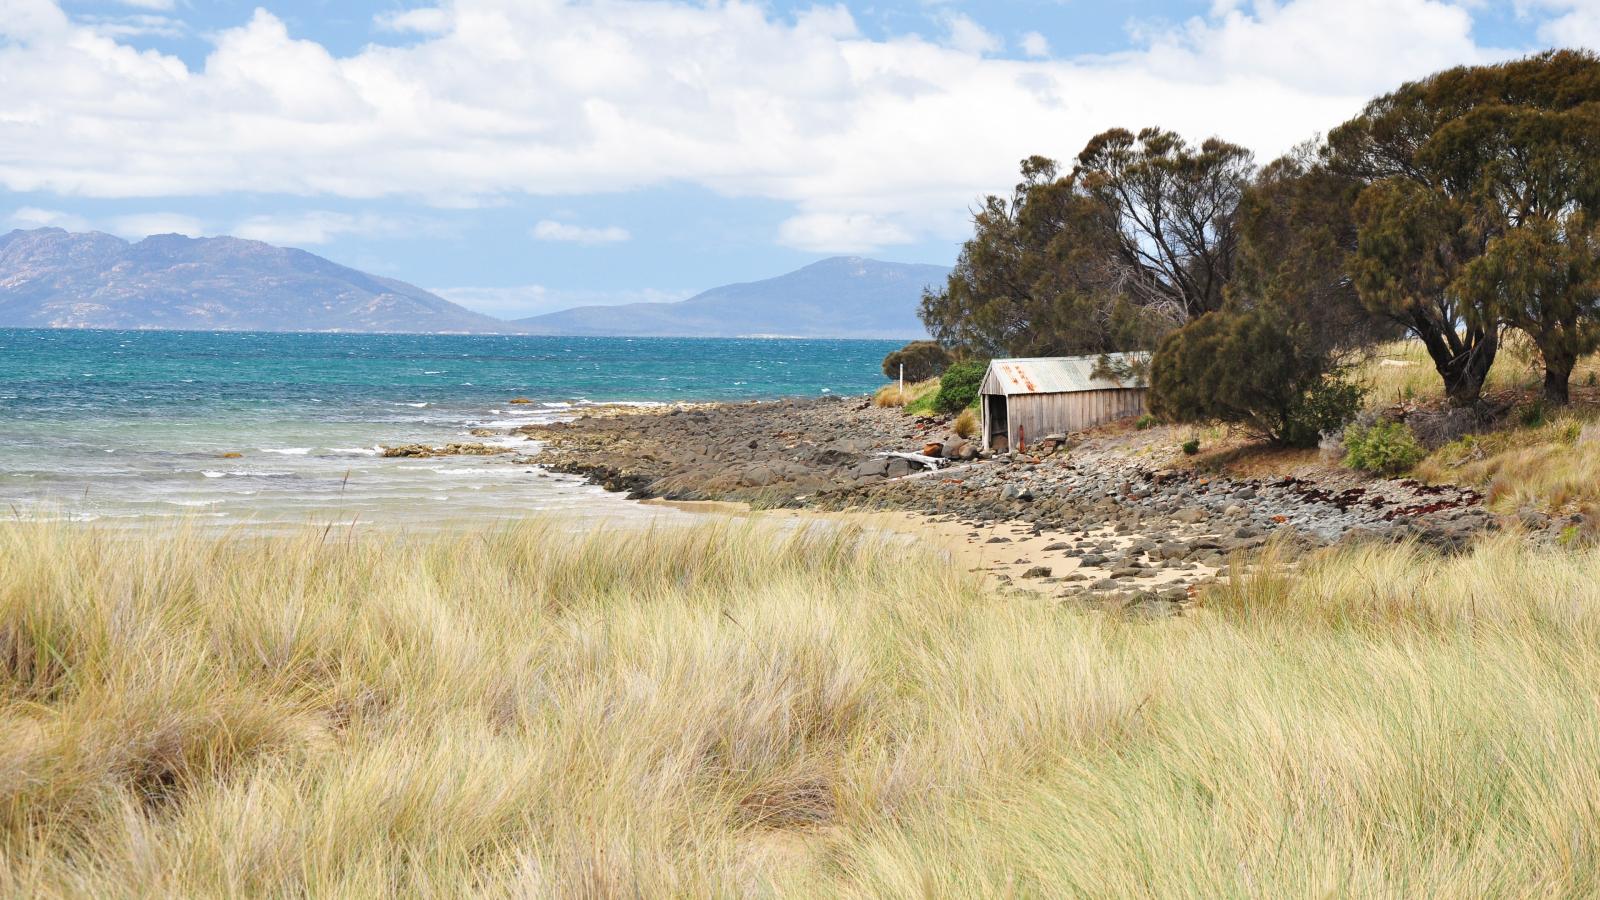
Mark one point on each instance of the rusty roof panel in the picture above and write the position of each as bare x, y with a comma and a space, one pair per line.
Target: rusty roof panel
1052, 375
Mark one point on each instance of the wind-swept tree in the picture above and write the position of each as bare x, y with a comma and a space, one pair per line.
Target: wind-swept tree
1532, 179
1134, 242
1544, 278
1297, 232
1174, 212
1450, 167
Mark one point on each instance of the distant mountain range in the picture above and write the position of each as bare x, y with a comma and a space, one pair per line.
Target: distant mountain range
844, 297
50, 278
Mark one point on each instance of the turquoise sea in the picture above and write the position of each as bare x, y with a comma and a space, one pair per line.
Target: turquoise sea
123, 427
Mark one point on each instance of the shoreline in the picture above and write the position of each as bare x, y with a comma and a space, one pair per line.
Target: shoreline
1113, 515
1005, 551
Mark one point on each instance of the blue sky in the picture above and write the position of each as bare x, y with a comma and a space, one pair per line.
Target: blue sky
525, 155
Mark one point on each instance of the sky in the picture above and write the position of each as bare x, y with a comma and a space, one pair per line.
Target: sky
522, 156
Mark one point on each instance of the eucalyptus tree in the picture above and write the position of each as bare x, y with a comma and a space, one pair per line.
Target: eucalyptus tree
1479, 185
1136, 240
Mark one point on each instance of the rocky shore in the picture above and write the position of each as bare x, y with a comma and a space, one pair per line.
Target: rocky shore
1115, 515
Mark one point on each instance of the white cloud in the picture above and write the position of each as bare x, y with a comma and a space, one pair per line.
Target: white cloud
1318, 47
321, 227
1574, 22
970, 37
142, 225
551, 230
29, 217
533, 299
841, 233
140, 25
149, 4
872, 141
1035, 44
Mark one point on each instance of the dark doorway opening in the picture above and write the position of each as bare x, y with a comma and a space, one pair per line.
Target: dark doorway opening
999, 428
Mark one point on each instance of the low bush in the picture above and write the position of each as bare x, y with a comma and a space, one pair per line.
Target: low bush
1254, 368
1386, 448
958, 386
1191, 446
1145, 422
922, 359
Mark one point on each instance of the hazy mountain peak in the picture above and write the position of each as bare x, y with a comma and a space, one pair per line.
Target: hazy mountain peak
51, 278
843, 296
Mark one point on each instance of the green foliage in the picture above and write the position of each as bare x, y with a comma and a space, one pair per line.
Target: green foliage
1543, 277
1296, 229
922, 406
1326, 406
958, 387
1253, 368
1145, 422
1191, 446
1533, 415
1137, 239
1478, 184
922, 360
1386, 448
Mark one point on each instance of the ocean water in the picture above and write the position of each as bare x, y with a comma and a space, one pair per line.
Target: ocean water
126, 427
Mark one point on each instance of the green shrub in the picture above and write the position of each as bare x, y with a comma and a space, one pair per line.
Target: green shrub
1387, 448
1326, 407
1255, 368
1145, 422
958, 387
922, 359
1191, 446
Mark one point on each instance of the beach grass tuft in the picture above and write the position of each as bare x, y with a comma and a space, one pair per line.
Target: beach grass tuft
734, 709
891, 395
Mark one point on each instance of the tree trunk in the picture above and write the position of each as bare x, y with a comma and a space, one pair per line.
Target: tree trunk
1462, 360
1557, 377
1465, 373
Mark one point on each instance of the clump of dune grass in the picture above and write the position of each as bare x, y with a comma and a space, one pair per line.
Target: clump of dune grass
1552, 465
966, 424
732, 710
890, 395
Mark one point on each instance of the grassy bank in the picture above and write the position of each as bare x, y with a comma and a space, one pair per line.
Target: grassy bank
728, 711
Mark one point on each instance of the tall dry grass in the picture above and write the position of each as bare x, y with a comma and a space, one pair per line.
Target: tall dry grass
891, 395
728, 710
1551, 466
1402, 371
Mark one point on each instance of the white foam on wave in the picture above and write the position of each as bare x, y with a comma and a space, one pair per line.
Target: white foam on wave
356, 451
518, 423
287, 451
193, 502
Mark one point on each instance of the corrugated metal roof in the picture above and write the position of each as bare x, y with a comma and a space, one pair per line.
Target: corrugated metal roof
1052, 375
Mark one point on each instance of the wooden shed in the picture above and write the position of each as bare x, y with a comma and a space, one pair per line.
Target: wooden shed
1026, 400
